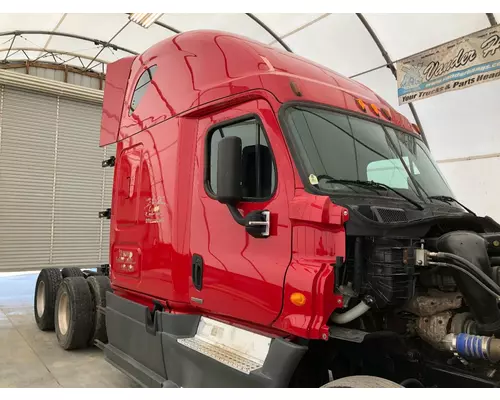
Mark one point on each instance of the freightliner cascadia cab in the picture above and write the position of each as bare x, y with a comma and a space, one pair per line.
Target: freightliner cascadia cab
274, 222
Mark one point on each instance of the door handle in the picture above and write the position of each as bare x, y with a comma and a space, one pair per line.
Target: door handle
264, 223
258, 223
197, 271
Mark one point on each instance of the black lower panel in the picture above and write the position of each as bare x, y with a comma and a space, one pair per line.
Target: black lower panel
189, 368
127, 335
150, 358
138, 372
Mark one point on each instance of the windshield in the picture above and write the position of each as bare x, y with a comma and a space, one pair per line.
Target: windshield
335, 146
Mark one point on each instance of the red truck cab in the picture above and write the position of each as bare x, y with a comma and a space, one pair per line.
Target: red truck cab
223, 251
167, 109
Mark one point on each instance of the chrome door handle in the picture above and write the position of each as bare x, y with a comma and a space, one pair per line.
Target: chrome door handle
266, 223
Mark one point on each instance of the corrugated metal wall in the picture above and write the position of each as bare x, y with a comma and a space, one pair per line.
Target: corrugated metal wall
58, 75
52, 185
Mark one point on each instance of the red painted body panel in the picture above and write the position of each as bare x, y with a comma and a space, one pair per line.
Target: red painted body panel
243, 276
114, 98
318, 238
198, 67
162, 213
161, 199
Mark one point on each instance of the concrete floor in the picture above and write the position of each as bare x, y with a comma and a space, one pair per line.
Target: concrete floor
31, 358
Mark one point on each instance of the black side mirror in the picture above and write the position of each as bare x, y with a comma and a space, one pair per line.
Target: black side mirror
229, 187
229, 170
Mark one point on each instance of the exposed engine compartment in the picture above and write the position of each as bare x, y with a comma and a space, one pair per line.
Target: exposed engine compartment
436, 294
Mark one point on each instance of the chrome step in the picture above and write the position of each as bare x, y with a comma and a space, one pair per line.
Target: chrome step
223, 355
237, 348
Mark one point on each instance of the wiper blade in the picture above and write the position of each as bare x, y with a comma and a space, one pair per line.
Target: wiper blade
374, 185
331, 179
449, 199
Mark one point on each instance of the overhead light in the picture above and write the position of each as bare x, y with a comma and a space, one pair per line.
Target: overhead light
361, 104
375, 109
145, 19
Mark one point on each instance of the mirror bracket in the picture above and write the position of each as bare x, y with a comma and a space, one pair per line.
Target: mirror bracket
240, 219
256, 223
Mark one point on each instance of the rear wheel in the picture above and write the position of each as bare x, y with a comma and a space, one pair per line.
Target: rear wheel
74, 314
47, 284
70, 272
361, 381
99, 285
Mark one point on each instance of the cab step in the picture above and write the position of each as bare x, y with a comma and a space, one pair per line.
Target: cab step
226, 356
235, 347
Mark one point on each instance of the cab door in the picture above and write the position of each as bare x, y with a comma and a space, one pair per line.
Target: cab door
233, 273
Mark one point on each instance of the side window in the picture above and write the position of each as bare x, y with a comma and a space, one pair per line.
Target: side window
259, 175
140, 88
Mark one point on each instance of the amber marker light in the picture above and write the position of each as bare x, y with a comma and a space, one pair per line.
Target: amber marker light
375, 109
361, 105
386, 113
298, 299
295, 89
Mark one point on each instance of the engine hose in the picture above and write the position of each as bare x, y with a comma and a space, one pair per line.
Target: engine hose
495, 261
478, 280
350, 315
474, 346
485, 279
467, 264
473, 247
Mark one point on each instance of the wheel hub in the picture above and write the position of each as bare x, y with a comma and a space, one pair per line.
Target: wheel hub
63, 313
40, 299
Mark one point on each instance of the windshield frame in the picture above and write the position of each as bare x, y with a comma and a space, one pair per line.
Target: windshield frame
301, 167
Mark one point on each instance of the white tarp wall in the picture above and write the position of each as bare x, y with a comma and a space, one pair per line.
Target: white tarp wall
460, 126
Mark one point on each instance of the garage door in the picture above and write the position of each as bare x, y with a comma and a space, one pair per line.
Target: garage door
52, 185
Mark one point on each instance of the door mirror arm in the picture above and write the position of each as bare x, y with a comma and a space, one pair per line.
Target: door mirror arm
240, 219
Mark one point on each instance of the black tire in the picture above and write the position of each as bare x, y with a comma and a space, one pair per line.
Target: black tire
361, 381
99, 285
70, 272
47, 284
74, 315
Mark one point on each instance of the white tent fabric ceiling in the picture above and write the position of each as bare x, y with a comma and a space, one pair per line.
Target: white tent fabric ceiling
457, 124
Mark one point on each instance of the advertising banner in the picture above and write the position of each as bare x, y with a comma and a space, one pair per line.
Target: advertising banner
459, 64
